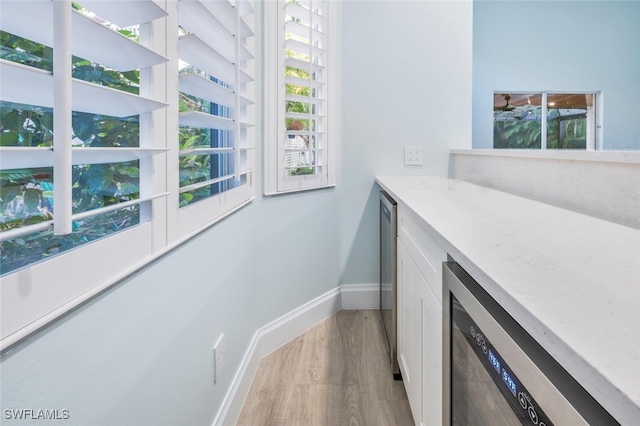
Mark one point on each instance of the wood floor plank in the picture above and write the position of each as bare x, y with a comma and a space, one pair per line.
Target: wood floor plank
335, 374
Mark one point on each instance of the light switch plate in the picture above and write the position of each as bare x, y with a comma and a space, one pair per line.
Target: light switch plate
413, 156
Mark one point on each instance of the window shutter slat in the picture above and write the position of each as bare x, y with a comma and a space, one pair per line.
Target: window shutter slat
209, 121
246, 7
196, 85
305, 48
303, 82
226, 15
197, 53
302, 65
205, 121
33, 20
305, 14
93, 98
118, 206
117, 51
304, 116
303, 99
205, 151
26, 85
125, 13
25, 230
303, 31
31, 86
198, 20
18, 157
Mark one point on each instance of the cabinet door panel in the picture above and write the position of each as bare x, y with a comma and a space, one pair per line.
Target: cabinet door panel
431, 354
410, 331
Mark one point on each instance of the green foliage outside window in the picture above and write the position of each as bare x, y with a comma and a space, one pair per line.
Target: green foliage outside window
26, 195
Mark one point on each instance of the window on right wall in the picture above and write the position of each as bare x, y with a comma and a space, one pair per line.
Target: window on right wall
544, 120
300, 142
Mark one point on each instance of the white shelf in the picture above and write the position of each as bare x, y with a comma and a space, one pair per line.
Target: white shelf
125, 13
90, 40
34, 157
31, 86
196, 85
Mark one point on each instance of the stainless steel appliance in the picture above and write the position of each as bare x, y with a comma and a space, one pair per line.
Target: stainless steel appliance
495, 373
388, 276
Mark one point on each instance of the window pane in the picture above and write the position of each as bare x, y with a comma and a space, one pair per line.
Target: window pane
101, 185
26, 197
25, 125
26, 52
191, 197
568, 120
28, 249
517, 121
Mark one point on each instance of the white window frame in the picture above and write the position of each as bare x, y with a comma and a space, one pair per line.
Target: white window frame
35, 295
196, 217
275, 180
594, 142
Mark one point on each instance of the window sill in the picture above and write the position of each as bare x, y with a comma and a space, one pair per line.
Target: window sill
565, 155
293, 191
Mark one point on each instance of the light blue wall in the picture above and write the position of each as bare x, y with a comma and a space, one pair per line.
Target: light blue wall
559, 46
141, 354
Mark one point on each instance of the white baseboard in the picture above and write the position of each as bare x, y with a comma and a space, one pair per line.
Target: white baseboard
360, 296
286, 328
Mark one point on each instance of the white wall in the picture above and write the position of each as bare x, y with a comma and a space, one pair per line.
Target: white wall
141, 353
559, 46
406, 80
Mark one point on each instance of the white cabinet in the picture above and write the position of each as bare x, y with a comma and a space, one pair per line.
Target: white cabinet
420, 319
409, 331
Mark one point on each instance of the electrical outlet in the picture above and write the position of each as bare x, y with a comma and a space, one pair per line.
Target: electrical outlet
218, 358
412, 155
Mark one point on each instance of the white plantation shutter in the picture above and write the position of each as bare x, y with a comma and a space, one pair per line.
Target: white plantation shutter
300, 159
27, 85
216, 69
64, 277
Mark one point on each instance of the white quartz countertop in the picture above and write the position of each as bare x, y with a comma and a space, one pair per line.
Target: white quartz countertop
572, 281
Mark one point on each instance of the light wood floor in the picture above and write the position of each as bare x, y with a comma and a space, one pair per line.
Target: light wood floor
335, 374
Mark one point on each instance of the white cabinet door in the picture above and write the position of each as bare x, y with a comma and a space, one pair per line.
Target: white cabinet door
410, 331
431, 355
419, 340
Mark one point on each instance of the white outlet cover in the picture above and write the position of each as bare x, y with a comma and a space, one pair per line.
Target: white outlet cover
413, 155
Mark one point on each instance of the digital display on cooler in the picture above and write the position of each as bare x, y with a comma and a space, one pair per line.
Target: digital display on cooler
511, 384
494, 361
